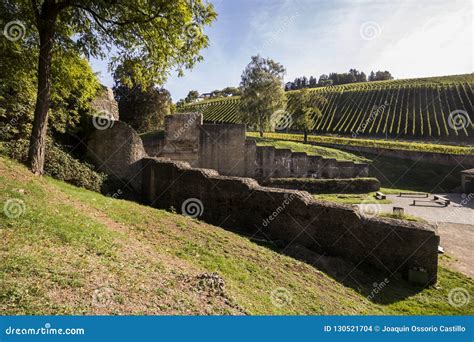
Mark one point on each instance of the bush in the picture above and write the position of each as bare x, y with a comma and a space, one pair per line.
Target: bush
60, 165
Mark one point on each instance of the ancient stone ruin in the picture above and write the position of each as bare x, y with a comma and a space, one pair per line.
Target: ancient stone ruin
394, 247
225, 148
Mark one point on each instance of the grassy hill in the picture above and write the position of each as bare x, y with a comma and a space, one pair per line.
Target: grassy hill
411, 109
67, 250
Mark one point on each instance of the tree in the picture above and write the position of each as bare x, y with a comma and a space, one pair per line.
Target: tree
155, 35
192, 96
231, 91
380, 76
304, 108
324, 81
74, 85
262, 92
142, 108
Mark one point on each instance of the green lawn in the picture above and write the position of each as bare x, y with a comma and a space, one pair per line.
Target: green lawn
74, 251
391, 172
325, 152
378, 143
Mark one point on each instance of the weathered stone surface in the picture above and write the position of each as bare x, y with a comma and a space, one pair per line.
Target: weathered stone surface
224, 147
293, 217
181, 139
328, 186
105, 104
117, 151
467, 181
392, 246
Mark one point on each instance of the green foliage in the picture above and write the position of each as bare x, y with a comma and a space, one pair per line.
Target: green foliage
192, 96
304, 107
262, 92
396, 145
78, 229
391, 109
60, 165
74, 86
143, 109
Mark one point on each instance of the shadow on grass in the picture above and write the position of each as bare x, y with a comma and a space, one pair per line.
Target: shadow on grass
376, 286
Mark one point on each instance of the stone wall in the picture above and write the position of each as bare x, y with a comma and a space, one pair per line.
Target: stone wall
225, 148
222, 147
105, 105
392, 246
465, 160
326, 186
467, 181
117, 150
181, 138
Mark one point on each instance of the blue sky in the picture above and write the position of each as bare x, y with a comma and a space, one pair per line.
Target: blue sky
410, 38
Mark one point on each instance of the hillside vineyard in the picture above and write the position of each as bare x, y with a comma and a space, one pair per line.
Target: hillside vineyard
436, 108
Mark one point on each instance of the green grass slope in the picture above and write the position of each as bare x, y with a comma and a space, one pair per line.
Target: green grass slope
411, 109
68, 250
391, 172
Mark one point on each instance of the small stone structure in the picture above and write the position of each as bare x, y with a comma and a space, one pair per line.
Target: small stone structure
290, 216
225, 148
117, 150
467, 181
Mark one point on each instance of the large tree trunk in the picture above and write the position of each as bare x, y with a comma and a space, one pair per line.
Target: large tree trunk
43, 98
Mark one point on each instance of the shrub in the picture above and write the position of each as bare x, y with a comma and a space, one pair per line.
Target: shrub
60, 165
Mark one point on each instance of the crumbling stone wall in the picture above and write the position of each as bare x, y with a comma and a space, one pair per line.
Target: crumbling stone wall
181, 139
392, 246
105, 105
117, 150
224, 147
326, 186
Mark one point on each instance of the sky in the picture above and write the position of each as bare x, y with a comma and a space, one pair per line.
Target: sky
410, 38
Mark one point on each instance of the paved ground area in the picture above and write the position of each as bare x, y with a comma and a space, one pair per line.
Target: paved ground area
461, 209
455, 225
